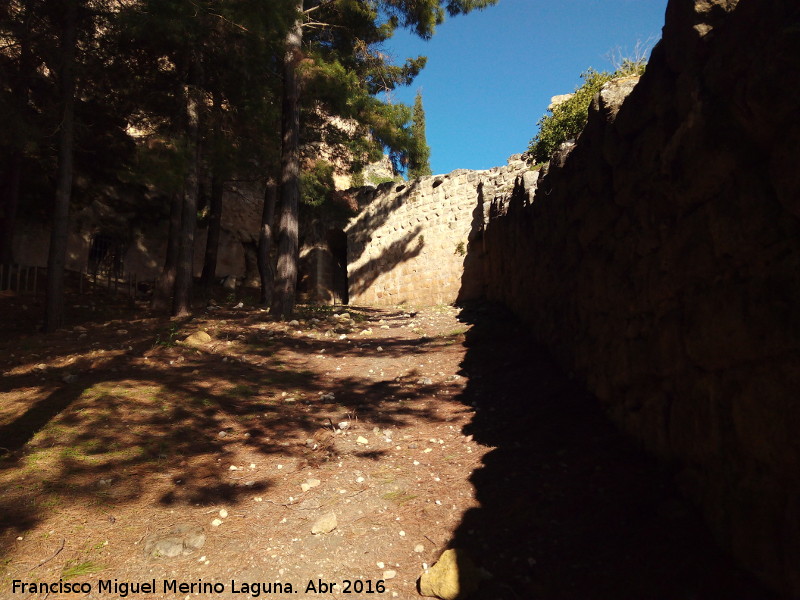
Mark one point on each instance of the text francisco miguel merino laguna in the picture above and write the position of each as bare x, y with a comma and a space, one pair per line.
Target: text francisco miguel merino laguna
167, 586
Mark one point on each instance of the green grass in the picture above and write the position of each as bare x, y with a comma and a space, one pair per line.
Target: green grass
399, 497
78, 569
241, 391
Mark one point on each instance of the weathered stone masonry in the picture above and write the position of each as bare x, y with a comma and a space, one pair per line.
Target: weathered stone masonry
659, 259
409, 245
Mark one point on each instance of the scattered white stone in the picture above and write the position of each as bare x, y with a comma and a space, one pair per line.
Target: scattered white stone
240, 305
223, 513
389, 574
402, 534
325, 524
294, 323
252, 465
216, 523
258, 499
379, 348
305, 487
416, 463
313, 482
427, 450
280, 466
380, 565
419, 548
233, 468
362, 440
344, 425
360, 480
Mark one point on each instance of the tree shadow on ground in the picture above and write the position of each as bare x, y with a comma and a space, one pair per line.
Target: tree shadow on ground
156, 420
569, 508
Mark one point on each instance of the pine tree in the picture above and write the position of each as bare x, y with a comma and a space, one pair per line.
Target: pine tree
56, 257
419, 164
345, 34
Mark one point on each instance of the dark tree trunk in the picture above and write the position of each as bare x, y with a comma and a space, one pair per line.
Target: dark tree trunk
212, 241
181, 300
162, 294
10, 203
265, 271
56, 258
285, 293
11, 184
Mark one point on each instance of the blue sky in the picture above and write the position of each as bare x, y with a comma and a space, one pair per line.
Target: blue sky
491, 74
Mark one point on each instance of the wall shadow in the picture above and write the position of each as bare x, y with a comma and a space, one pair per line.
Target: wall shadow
569, 508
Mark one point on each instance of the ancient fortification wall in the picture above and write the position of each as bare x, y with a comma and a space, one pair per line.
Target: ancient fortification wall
408, 246
658, 259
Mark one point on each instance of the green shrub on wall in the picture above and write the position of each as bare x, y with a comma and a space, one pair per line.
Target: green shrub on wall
567, 120
316, 183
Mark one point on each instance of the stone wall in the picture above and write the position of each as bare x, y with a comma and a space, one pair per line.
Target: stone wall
660, 260
145, 244
408, 244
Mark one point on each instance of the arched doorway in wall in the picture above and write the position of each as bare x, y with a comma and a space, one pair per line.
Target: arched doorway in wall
337, 245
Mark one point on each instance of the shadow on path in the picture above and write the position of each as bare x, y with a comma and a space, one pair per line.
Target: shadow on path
569, 508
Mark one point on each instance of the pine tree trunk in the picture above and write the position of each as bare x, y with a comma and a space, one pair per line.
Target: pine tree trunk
265, 271
56, 258
10, 202
181, 300
284, 297
212, 240
13, 175
162, 294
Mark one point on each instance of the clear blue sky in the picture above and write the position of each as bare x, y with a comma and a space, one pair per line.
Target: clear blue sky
491, 74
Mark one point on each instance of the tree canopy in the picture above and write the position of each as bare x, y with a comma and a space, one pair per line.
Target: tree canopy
166, 98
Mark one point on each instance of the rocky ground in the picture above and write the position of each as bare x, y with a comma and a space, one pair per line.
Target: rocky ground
351, 446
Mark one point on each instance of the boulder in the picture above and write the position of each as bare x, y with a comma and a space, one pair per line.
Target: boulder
453, 577
198, 338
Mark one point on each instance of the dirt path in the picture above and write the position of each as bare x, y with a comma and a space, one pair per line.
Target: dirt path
418, 430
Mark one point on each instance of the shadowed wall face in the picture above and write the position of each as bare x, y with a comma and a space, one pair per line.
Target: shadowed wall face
659, 259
